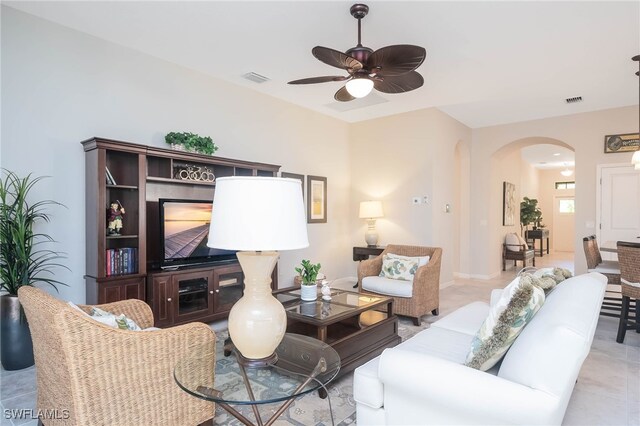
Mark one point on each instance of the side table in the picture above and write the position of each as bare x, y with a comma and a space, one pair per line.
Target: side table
304, 364
363, 253
538, 234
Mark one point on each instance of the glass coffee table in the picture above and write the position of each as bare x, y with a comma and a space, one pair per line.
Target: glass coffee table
359, 326
304, 364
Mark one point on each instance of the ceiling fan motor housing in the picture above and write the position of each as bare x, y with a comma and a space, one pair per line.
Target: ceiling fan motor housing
360, 53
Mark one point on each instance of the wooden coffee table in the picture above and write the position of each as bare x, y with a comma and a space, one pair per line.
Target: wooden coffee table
359, 326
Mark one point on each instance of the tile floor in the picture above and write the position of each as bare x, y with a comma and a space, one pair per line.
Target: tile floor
607, 392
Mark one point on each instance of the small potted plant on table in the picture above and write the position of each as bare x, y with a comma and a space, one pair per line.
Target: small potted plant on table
308, 275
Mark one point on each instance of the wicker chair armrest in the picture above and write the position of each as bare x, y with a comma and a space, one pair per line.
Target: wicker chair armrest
110, 367
427, 277
368, 268
135, 309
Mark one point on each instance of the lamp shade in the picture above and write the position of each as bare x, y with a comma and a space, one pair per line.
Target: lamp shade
258, 214
370, 209
635, 160
359, 87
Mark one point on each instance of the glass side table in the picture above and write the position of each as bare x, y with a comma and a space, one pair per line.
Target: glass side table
304, 365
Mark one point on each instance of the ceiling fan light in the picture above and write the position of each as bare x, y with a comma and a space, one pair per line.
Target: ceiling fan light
635, 160
359, 87
566, 172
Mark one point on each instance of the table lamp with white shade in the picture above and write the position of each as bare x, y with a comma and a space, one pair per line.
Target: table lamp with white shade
257, 215
371, 210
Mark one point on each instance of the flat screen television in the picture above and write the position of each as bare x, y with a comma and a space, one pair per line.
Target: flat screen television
184, 231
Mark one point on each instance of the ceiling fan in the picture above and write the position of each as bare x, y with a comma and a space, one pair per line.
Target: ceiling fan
390, 69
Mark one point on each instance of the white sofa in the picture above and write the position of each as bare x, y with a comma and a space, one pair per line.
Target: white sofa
424, 380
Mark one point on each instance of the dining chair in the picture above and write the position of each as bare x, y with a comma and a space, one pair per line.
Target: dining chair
611, 305
629, 259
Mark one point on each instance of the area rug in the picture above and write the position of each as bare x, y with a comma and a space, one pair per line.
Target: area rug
310, 409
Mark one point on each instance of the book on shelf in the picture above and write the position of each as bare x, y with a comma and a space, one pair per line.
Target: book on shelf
110, 179
121, 261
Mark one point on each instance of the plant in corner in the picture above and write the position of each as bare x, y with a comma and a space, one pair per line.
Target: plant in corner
530, 213
308, 274
23, 262
191, 142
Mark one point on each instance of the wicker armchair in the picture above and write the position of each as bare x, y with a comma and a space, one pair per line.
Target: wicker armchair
629, 258
426, 283
92, 374
609, 269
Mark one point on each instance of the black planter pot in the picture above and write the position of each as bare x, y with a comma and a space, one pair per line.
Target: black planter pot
17, 348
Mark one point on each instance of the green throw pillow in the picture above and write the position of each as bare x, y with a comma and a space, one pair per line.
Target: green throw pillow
112, 320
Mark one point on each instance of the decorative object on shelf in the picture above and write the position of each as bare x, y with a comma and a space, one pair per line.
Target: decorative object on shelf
371, 210
308, 273
115, 214
110, 179
316, 199
193, 173
635, 159
390, 69
191, 142
325, 290
257, 215
23, 262
530, 213
508, 204
294, 176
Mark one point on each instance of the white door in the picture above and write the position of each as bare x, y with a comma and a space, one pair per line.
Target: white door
619, 205
563, 223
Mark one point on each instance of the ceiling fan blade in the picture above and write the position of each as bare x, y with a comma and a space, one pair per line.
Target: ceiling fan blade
336, 58
343, 96
396, 60
399, 84
324, 79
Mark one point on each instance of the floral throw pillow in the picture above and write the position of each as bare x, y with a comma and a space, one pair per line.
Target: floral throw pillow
115, 321
397, 268
518, 304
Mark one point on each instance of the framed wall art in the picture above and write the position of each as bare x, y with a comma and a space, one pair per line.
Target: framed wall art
508, 204
627, 142
316, 199
294, 176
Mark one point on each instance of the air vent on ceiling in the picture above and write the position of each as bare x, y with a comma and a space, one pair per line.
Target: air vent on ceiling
574, 99
255, 77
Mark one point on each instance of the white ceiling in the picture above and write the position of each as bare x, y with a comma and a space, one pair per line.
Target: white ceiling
487, 62
547, 157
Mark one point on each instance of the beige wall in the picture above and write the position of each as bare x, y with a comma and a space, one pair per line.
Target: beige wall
548, 191
582, 132
61, 86
414, 154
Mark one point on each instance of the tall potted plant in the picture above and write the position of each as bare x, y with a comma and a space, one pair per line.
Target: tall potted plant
23, 261
530, 213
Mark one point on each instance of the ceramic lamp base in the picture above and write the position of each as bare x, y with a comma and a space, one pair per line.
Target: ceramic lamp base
257, 322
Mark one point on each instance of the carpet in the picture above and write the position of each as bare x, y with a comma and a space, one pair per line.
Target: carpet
309, 409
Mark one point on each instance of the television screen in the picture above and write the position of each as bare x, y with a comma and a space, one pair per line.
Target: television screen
185, 231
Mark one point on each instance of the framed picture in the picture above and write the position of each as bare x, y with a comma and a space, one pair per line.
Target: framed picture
294, 176
316, 199
627, 142
508, 204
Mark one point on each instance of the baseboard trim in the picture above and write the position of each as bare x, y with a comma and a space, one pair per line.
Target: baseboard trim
485, 277
461, 275
447, 284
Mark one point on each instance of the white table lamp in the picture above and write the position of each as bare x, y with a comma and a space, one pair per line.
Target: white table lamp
257, 215
371, 210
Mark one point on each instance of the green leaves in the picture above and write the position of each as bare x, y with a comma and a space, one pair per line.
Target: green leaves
22, 260
308, 272
530, 212
192, 142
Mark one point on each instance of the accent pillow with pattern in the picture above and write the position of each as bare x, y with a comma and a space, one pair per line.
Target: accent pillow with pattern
518, 304
112, 320
398, 267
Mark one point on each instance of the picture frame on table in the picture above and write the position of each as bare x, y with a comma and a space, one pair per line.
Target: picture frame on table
316, 199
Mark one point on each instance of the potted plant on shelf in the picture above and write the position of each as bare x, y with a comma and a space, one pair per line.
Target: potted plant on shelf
530, 213
23, 262
191, 142
308, 275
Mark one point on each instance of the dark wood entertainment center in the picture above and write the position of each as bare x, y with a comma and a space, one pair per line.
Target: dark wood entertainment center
143, 175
